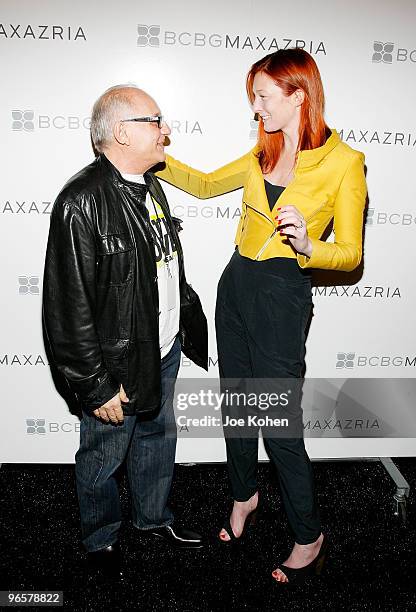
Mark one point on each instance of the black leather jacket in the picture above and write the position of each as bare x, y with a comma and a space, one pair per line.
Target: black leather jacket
100, 296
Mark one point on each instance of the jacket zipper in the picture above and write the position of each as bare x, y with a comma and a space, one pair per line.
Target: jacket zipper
270, 238
259, 213
266, 244
276, 229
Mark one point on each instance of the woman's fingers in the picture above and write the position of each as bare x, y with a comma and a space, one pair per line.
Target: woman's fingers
295, 221
289, 215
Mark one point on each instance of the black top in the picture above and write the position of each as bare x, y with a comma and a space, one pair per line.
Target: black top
282, 266
273, 192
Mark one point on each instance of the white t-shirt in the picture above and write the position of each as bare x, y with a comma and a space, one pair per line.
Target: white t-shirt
167, 271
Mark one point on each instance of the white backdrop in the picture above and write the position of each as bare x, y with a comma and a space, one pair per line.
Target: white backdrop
192, 57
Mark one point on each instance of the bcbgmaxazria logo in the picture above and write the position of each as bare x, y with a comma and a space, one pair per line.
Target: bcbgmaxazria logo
22, 360
351, 360
27, 121
341, 424
29, 207
41, 427
154, 36
379, 217
197, 211
148, 35
384, 53
41, 32
376, 292
28, 285
23, 120
381, 137
36, 426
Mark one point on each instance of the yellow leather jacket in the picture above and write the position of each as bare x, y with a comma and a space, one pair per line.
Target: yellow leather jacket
329, 182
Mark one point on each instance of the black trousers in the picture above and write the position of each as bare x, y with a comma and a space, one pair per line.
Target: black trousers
261, 316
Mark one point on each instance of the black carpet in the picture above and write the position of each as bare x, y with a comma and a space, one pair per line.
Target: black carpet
371, 565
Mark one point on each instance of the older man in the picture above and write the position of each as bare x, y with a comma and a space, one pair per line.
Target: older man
117, 311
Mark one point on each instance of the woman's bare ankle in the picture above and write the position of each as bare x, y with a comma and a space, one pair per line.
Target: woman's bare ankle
248, 505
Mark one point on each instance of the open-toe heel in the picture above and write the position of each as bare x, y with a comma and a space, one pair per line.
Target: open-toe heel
251, 519
314, 568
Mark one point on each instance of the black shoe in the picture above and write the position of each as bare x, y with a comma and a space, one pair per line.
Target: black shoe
251, 519
178, 537
314, 568
105, 562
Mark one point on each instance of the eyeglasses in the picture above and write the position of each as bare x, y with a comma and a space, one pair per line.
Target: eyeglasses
155, 119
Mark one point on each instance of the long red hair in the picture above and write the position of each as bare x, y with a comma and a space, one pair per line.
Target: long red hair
291, 69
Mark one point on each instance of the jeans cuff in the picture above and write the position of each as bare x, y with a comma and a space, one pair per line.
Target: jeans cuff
102, 537
147, 527
102, 546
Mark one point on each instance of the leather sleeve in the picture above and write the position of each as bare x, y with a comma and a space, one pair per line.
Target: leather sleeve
69, 298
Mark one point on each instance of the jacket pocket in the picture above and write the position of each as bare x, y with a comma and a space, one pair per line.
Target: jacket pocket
114, 311
243, 222
116, 357
115, 257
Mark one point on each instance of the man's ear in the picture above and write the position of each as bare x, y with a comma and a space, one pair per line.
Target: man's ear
120, 133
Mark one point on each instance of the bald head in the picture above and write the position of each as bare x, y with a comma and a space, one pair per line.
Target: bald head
116, 103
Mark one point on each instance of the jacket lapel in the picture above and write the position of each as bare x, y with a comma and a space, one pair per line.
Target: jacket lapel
255, 194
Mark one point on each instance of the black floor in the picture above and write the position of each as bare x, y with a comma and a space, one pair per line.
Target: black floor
372, 563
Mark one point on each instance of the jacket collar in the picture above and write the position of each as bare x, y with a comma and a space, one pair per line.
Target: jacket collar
119, 181
313, 157
136, 189
256, 193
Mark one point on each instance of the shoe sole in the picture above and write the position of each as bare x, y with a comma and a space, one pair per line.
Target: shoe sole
173, 544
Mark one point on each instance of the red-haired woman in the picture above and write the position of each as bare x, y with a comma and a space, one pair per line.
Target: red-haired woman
298, 178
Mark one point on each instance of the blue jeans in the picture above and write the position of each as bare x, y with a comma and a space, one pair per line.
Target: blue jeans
150, 459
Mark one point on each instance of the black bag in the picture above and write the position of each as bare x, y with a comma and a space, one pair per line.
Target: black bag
193, 328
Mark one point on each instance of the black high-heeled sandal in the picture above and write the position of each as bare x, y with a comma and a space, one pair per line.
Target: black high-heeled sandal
251, 519
314, 568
